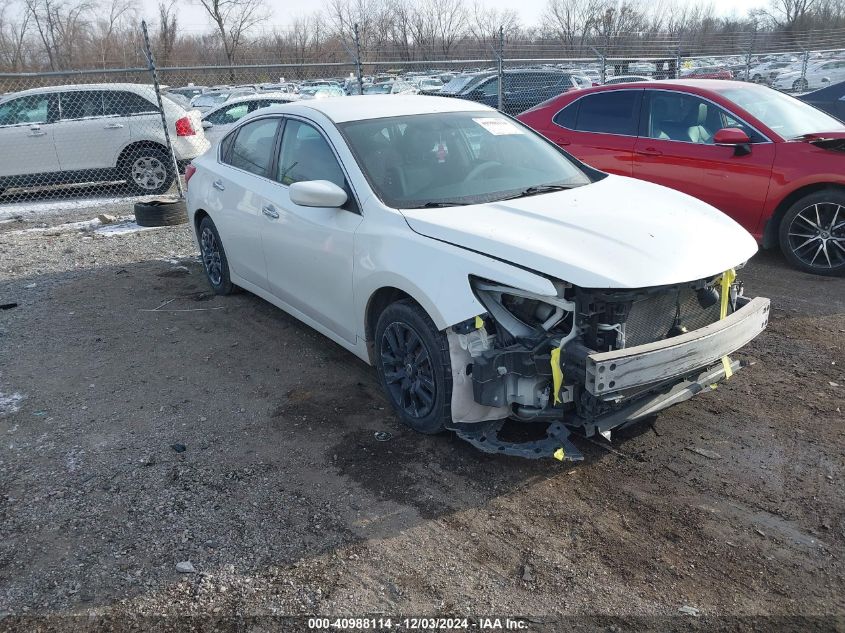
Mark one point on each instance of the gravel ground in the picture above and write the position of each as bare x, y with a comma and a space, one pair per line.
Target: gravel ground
230, 436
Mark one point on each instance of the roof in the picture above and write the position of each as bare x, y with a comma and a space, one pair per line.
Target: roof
358, 108
104, 86
699, 84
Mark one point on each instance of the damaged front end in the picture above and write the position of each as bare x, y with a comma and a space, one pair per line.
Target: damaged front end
591, 360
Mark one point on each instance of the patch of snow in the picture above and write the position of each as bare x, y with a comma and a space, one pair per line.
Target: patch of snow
85, 225
122, 228
10, 403
47, 207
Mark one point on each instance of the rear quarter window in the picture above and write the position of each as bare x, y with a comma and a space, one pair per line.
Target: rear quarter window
568, 116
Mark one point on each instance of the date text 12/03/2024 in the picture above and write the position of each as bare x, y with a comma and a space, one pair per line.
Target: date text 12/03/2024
418, 624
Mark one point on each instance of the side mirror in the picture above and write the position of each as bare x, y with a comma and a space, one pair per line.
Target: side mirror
317, 193
731, 136
207, 125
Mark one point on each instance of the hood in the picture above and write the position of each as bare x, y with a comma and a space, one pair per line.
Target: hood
826, 140
615, 233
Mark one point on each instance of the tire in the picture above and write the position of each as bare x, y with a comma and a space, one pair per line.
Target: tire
812, 233
161, 213
214, 260
414, 367
799, 85
148, 170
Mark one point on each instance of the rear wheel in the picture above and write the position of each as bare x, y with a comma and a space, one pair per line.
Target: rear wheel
148, 170
214, 258
414, 367
812, 233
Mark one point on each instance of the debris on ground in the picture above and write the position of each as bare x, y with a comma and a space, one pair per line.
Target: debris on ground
704, 452
179, 448
185, 567
688, 610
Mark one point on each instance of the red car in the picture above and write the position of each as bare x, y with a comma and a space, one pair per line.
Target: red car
773, 163
709, 72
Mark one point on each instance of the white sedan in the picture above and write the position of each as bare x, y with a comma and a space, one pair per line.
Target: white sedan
484, 272
222, 118
818, 75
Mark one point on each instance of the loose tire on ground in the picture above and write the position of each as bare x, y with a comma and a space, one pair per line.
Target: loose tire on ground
414, 367
161, 213
214, 259
812, 233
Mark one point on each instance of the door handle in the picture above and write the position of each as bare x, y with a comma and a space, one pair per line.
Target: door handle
113, 126
218, 184
270, 212
563, 142
36, 131
650, 151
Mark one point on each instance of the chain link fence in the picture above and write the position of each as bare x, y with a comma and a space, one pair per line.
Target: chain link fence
79, 137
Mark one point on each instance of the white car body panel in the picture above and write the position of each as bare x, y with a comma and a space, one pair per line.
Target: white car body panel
575, 235
28, 149
324, 265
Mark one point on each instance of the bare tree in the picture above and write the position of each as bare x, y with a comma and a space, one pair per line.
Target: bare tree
112, 18
484, 24
233, 20
13, 32
789, 14
167, 29
570, 21
63, 28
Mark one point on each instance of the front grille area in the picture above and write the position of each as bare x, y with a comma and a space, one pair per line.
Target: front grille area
651, 319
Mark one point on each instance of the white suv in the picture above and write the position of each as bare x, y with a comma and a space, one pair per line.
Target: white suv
94, 133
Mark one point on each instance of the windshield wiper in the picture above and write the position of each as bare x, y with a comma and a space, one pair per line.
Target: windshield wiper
536, 190
431, 204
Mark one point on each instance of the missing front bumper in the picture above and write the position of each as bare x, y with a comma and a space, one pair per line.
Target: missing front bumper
610, 374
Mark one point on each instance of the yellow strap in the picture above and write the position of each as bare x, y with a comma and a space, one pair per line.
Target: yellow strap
479, 323
557, 374
559, 454
728, 278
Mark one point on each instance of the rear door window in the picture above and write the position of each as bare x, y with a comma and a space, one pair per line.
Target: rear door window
252, 148
81, 104
610, 112
125, 103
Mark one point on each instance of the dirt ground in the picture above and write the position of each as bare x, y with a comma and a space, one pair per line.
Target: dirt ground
285, 503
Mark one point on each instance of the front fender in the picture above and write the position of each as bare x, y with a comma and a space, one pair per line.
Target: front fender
433, 273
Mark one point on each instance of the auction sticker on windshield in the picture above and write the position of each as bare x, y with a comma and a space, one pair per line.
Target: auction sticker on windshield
498, 127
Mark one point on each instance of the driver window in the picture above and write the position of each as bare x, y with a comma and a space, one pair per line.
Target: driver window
491, 88
306, 155
675, 116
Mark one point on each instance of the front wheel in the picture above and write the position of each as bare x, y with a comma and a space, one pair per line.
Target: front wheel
414, 367
800, 85
812, 233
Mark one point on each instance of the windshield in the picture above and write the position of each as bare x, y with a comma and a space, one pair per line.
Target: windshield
455, 158
456, 84
378, 89
783, 114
